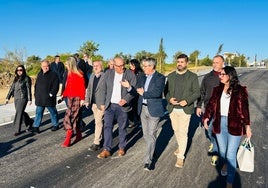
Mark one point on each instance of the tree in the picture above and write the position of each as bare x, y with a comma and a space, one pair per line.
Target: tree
33, 64
14, 58
143, 54
240, 60
219, 49
126, 57
97, 58
194, 57
176, 55
89, 47
161, 56
206, 61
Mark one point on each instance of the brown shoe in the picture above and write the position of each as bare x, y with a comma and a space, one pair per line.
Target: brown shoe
121, 152
179, 163
104, 154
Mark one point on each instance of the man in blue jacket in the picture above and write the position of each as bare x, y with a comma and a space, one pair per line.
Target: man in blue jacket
150, 88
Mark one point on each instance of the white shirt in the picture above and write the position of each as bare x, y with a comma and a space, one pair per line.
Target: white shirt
116, 95
225, 103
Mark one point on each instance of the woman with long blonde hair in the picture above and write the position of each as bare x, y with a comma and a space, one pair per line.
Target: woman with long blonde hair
74, 92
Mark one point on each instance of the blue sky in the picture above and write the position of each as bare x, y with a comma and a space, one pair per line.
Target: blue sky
50, 27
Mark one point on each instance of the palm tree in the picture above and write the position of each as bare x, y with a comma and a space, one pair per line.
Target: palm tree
219, 49
161, 56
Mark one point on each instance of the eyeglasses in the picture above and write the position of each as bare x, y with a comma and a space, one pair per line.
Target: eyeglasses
119, 65
19, 70
222, 74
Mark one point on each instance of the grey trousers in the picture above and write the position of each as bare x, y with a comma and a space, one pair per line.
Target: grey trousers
20, 105
149, 129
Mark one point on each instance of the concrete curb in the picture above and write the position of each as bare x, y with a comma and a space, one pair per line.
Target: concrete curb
7, 112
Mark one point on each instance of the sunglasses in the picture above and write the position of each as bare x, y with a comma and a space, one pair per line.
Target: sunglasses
19, 70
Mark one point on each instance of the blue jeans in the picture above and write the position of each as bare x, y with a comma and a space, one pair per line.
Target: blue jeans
114, 111
149, 129
212, 137
228, 145
39, 115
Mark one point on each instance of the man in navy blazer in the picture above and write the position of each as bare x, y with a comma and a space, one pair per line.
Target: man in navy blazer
150, 88
116, 100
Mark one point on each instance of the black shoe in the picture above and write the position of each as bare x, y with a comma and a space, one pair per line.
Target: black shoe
36, 130
54, 128
147, 167
31, 123
17, 133
30, 128
94, 147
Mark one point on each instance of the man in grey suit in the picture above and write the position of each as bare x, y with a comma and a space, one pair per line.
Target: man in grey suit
117, 103
150, 88
92, 99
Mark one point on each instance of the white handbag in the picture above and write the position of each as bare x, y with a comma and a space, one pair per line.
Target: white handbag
245, 156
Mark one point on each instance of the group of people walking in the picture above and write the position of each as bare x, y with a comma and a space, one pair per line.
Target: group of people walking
139, 93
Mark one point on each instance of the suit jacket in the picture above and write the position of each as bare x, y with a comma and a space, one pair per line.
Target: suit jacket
97, 93
83, 66
154, 94
108, 86
191, 91
238, 115
59, 69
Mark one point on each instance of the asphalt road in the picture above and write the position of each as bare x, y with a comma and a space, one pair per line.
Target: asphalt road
38, 160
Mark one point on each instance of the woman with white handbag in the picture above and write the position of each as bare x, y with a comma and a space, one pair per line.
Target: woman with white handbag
228, 106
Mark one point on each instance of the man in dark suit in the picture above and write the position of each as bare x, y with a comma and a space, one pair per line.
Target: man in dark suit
117, 103
150, 88
58, 67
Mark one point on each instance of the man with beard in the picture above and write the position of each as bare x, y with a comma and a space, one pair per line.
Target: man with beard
182, 90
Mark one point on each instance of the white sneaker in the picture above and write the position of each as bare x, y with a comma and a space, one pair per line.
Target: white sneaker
214, 160
210, 148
